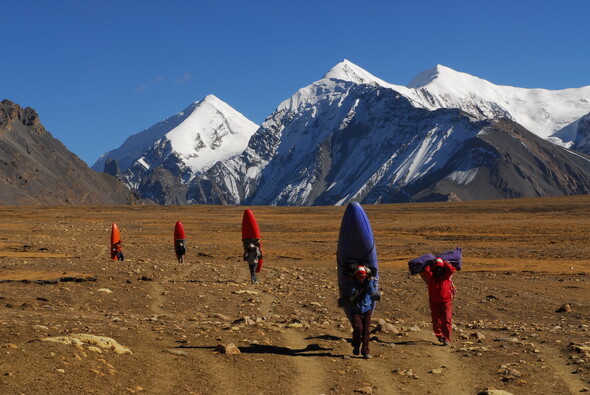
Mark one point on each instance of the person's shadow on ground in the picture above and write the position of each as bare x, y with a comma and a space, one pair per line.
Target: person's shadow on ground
312, 350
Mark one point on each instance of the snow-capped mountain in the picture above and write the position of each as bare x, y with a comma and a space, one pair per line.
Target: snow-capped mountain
541, 111
352, 136
189, 142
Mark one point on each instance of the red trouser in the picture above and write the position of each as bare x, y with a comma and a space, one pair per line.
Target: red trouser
361, 325
442, 318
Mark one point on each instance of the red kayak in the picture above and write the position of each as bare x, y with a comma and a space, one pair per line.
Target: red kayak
179, 231
115, 238
251, 233
179, 241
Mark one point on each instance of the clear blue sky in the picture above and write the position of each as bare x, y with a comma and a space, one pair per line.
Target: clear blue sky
98, 71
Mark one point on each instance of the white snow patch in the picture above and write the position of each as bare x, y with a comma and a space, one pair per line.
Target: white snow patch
463, 177
142, 162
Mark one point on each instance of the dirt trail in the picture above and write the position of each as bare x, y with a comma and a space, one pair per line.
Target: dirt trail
212, 372
453, 375
557, 363
311, 371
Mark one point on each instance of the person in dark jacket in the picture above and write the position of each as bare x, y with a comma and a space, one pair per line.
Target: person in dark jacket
361, 299
117, 250
180, 249
440, 295
252, 254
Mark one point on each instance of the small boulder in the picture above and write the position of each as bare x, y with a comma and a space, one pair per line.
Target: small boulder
220, 316
494, 392
229, 349
566, 308
478, 336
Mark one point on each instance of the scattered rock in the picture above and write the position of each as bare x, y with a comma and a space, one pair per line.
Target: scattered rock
229, 349
105, 290
246, 320
566, 308
385, 327
245, 291
507, 339
40, 328
405, 372
83, 338
436, 371
364, 390
579, 348
478, 336
494, 392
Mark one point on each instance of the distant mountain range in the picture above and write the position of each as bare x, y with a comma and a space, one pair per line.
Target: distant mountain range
352, 136
36, 169
348, 136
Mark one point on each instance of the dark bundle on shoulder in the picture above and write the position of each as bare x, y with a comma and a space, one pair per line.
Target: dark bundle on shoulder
454, 256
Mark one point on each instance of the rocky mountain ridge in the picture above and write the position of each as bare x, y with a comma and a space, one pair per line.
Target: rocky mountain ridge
37, 169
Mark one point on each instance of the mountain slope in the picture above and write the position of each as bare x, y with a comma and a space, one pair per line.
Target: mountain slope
35, 168
505, 160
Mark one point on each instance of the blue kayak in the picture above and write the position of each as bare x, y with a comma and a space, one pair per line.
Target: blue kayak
356, 246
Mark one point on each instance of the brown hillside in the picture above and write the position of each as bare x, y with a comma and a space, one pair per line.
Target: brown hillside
37, 169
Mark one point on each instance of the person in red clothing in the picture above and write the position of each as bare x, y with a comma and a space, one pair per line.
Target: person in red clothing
440, 294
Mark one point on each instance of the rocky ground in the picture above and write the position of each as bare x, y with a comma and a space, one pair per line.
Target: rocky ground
73, 321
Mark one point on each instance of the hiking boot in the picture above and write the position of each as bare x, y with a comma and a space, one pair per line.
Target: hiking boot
254, 279
355, 351
440, 339
445, 342
367, 356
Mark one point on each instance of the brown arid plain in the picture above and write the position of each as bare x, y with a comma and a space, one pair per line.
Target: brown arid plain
73, 321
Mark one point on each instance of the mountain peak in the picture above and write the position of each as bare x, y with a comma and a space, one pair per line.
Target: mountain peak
210, 98
348, 71
441, 73
212, 132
